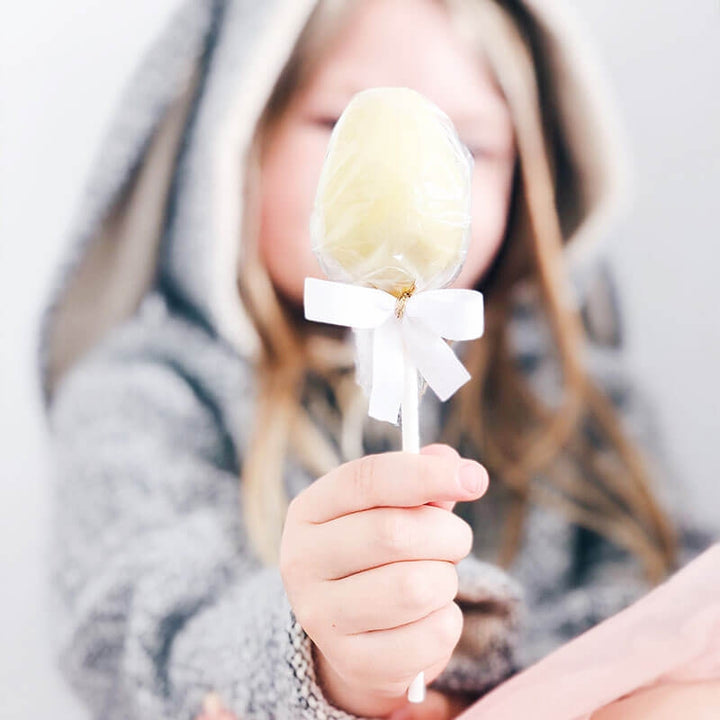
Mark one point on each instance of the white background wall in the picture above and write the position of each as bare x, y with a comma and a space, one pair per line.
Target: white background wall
62, 66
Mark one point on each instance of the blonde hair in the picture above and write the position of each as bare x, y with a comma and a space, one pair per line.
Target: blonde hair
602, 486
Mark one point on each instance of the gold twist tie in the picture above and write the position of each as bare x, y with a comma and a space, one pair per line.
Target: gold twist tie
402, 301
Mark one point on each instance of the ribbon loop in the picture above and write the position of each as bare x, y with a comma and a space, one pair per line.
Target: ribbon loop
347, 305
452, 313
426, 319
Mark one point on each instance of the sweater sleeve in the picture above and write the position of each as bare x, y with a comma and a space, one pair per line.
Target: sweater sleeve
491, 603
160, 598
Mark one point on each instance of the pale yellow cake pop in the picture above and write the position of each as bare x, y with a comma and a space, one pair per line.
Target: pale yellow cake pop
392, 209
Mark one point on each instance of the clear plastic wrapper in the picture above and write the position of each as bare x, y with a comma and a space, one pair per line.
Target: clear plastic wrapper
392, 209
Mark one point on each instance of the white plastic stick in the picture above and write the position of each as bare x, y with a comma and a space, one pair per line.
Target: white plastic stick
411, 443
409, 412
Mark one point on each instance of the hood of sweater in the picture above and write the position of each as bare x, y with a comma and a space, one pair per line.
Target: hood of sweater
164, 202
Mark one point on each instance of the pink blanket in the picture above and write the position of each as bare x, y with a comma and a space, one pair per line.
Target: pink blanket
670, 635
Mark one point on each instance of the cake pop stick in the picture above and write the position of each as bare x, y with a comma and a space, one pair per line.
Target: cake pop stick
390, 227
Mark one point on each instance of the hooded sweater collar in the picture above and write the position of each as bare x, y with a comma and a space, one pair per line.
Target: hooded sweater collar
164, 203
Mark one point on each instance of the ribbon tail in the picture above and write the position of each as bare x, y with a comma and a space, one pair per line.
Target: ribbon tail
388, 369
364, 359
434, 358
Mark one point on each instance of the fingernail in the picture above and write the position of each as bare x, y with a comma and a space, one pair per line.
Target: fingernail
472, 476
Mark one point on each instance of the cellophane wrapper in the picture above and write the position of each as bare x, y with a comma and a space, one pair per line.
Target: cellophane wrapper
392, 209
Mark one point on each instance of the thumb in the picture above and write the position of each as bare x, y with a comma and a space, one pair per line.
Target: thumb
436, 706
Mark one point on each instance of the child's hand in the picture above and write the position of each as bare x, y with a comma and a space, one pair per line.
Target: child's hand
369, 568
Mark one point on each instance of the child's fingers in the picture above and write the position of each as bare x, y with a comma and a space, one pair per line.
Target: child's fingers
391, 479
388, 597
388, 660
441, 450
363, 540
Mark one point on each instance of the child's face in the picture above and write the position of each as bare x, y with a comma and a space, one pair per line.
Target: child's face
407, 43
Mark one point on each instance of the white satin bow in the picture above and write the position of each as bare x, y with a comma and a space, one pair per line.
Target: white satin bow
425, 319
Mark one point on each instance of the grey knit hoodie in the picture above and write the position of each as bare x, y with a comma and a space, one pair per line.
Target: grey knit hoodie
148, 383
